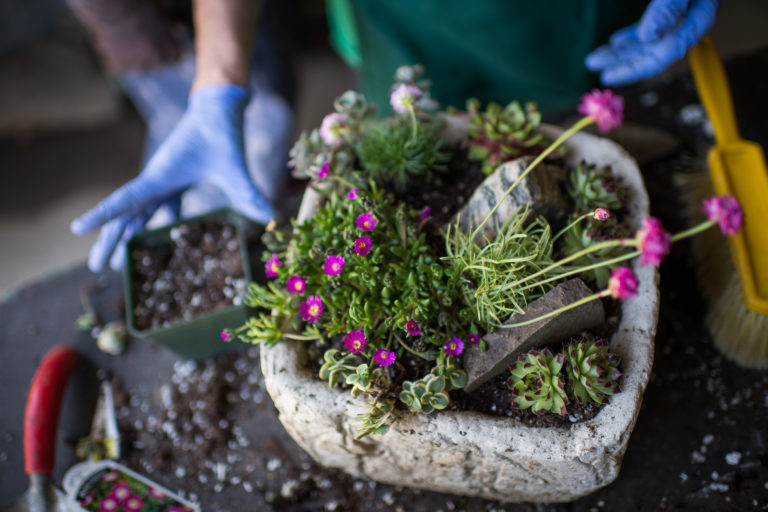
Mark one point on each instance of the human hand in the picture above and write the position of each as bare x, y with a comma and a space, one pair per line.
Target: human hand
205, 147
666, 31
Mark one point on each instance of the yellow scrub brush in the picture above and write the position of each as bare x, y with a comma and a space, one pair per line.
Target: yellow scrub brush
737, 292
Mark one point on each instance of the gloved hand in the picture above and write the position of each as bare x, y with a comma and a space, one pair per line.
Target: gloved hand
666, 31
206, 146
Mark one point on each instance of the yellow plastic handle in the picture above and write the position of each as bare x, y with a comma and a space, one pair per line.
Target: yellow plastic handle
715, 94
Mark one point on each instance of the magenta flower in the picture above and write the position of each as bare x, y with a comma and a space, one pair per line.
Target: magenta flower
726, 211
157, 493
121, 491
311, 309
108, 504
424, 215
270, 267
412, 328
133, 504
296, 284
325, 170
473, 339
383, 357
225, 335
653, 241
366, 221
623, 283
601, 214
332, 128
605, 107
352, 194
454, 347
404, 97
362, 245
333, 265
355, 341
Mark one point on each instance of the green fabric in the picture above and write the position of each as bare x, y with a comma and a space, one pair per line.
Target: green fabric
495, 50
344, 38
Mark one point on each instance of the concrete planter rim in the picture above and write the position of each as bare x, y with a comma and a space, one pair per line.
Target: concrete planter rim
469, 453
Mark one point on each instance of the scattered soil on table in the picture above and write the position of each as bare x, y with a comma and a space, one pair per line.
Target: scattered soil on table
201, 270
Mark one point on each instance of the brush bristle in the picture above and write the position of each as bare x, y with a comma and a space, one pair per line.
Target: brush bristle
741, 334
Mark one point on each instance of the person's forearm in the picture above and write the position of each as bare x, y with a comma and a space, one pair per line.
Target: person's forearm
224, 32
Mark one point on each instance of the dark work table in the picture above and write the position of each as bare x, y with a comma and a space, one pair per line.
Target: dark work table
701, 441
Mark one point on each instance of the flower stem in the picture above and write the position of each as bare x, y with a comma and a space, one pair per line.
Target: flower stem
583, 269
693, 231
572, 305
299, 337
585, 121
414, 123
409, 349
342, 180
572, 224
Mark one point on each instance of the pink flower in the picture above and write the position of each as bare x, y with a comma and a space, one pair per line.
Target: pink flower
605, 107
111, 476
404, 97
87, 500
296, 284
157, 493
355, 341
362, 245
352, 194
454, 347
270, 267
325, 170
384, 357
623, 283
473, 339
412, 328
121, 491
226, 336
108, 504
332, 128
366, 221
311, 309
133, 504
424, 215
653, 241
726, 211
601, 214
333, 265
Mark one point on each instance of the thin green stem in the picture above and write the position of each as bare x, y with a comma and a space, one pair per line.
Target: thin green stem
693, 231
409, 349
552, 147
342, 180
572, 305
299, 337
414, 123
583, 269
572, 224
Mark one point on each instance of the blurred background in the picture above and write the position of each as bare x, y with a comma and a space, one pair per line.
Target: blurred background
68, 137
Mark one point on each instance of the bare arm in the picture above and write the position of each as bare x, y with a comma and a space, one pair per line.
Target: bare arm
224, 32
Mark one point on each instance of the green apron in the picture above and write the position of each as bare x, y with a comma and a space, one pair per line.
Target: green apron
495, 50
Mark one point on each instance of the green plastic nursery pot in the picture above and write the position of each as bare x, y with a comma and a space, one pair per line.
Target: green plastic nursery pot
200, 336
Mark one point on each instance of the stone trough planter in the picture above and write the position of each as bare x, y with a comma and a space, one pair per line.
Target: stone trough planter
469, 453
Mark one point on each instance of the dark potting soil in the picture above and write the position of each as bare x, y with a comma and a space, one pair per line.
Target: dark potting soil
201, 270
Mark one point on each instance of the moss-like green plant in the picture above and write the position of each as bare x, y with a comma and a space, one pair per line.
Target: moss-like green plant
595, 187
491, 271
536, 383
498, 134
426, 394
592, 370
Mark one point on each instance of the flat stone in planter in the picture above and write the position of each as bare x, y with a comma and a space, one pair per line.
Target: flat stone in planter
469, 453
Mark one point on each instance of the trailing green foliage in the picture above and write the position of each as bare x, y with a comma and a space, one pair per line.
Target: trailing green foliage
498, 134
595, 187
490, 272
374, 421
592, 371
426, 394
536, 383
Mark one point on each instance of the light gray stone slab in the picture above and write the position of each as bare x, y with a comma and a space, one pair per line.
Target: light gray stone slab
540, 190
504, 345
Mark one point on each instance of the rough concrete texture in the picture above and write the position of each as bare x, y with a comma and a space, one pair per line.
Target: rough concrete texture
540, 191
472, 454
504, 345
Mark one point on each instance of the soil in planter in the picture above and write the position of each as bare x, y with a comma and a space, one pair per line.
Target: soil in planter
201, 270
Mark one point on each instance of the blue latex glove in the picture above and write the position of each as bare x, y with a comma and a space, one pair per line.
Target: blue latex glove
205, 147
666, 31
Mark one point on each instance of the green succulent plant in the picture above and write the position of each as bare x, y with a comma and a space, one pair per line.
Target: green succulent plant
336, 367
536, 383
363, 379
592, 370
374, 421
426, 394
498, 134
595, 187
455, 378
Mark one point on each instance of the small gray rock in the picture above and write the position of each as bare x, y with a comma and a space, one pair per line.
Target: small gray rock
541, 190
504, 345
